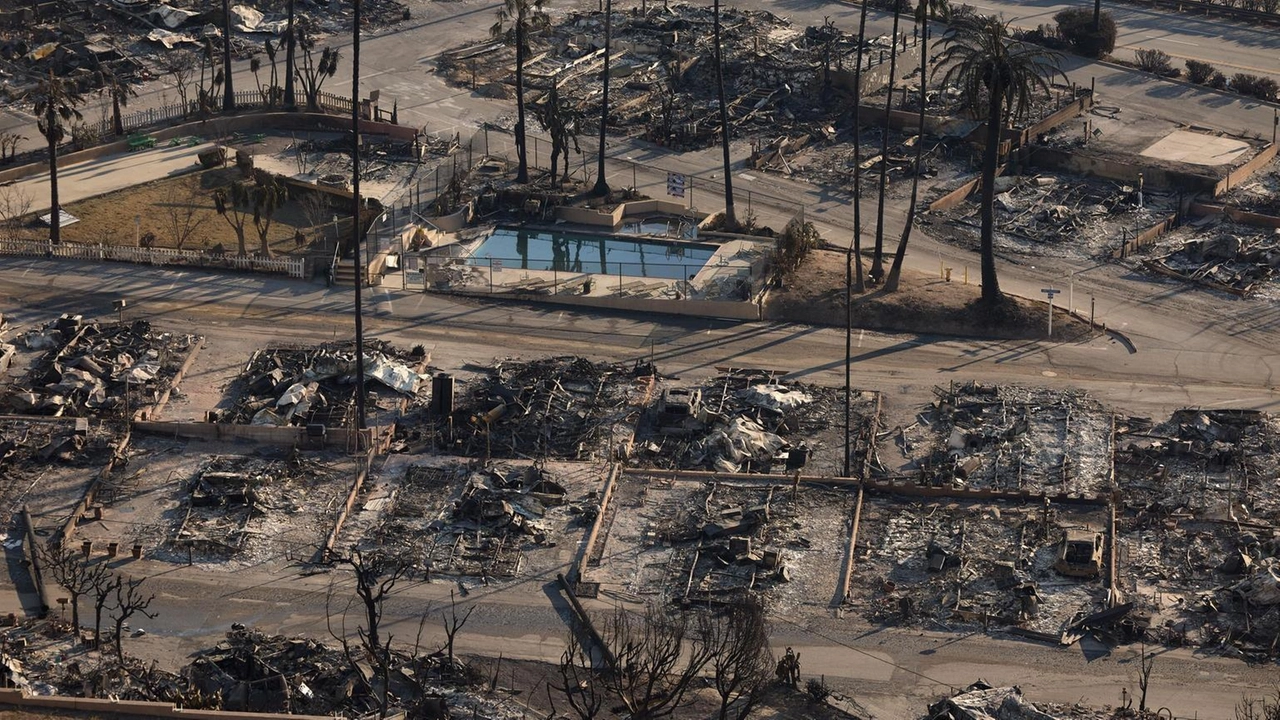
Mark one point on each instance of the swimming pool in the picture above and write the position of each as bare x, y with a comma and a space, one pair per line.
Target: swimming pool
521, 249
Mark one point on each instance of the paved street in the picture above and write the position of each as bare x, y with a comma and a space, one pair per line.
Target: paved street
1193, 348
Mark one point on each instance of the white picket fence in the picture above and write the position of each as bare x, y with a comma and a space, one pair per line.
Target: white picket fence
293, 267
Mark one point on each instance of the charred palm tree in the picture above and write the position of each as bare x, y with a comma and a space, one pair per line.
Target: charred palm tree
730, 216
877, 260
998, 78
602, 185
56, 103
895, 271
517, 20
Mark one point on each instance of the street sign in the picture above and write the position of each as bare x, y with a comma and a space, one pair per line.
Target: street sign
1050, 292
675, 185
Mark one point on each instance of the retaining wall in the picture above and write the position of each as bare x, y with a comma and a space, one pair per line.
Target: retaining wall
597, 218
1145, 237
20, 699
1245, 171
1244, 217
291, 435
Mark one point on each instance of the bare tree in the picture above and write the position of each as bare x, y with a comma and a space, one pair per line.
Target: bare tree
657, 656
268, 197
180, 66
235, 204
1259, 708
581, 683
104, 587
15, 203
9, 145
183, 212
741, 663
69, 571
129, 602
376, 576
1147, 664
453, 624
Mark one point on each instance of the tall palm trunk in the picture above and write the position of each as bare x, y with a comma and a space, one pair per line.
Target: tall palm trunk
990, 159
730, 216
854, 255
117, 120
228, 94
877, 260
291, 43
362, 270
602, 186
522, 169
55, 226
895, 271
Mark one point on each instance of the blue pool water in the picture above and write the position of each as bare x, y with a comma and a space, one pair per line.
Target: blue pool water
520, 249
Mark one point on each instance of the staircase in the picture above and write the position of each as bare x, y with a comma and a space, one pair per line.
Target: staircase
344, 273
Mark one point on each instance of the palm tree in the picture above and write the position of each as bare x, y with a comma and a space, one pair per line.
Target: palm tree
517, 20
228, 94
56, 100
291, 43
854, 254
877, 260
895, 271
730, 217
120, 92
983, 60
602, 185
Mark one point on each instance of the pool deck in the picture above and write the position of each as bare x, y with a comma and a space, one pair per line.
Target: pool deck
727, 285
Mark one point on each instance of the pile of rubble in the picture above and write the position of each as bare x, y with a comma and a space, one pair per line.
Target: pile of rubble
953, 565
745, 421
458, 521
1259, 194
563, 407
1061, 215
97, 369
315, 385
982, 701
664, 83
828, 159
1201, 527
1227, 256
1007, 437
28, 449
234, 503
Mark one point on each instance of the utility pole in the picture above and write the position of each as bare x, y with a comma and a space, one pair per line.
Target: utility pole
362, 270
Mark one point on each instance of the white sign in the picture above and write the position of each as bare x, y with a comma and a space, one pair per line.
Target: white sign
495, 263
675, 185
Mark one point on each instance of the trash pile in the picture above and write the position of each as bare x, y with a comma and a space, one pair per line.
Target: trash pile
1227, 256
97, 369
663, 74
310, 385
1259, 194
231, 504
1007, 437
563, 407
459, 521
1061, 215
743, 421
1038, 569
30, 448
982, 701
1200, 528
727, 539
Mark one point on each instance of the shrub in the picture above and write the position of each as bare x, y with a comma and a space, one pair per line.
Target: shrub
1200, 72
1218, 81
1075, 26
1263, 88
794, 245
1155, 61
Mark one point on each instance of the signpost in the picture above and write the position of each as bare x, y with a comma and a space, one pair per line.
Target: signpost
675, 184
1050, 292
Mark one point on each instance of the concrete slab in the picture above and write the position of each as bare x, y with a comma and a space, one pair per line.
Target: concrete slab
1196, 148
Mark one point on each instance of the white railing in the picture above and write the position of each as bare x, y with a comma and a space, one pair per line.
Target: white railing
293, 267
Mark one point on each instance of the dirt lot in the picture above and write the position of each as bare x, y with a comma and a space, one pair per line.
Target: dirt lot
923, 304
109, 219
